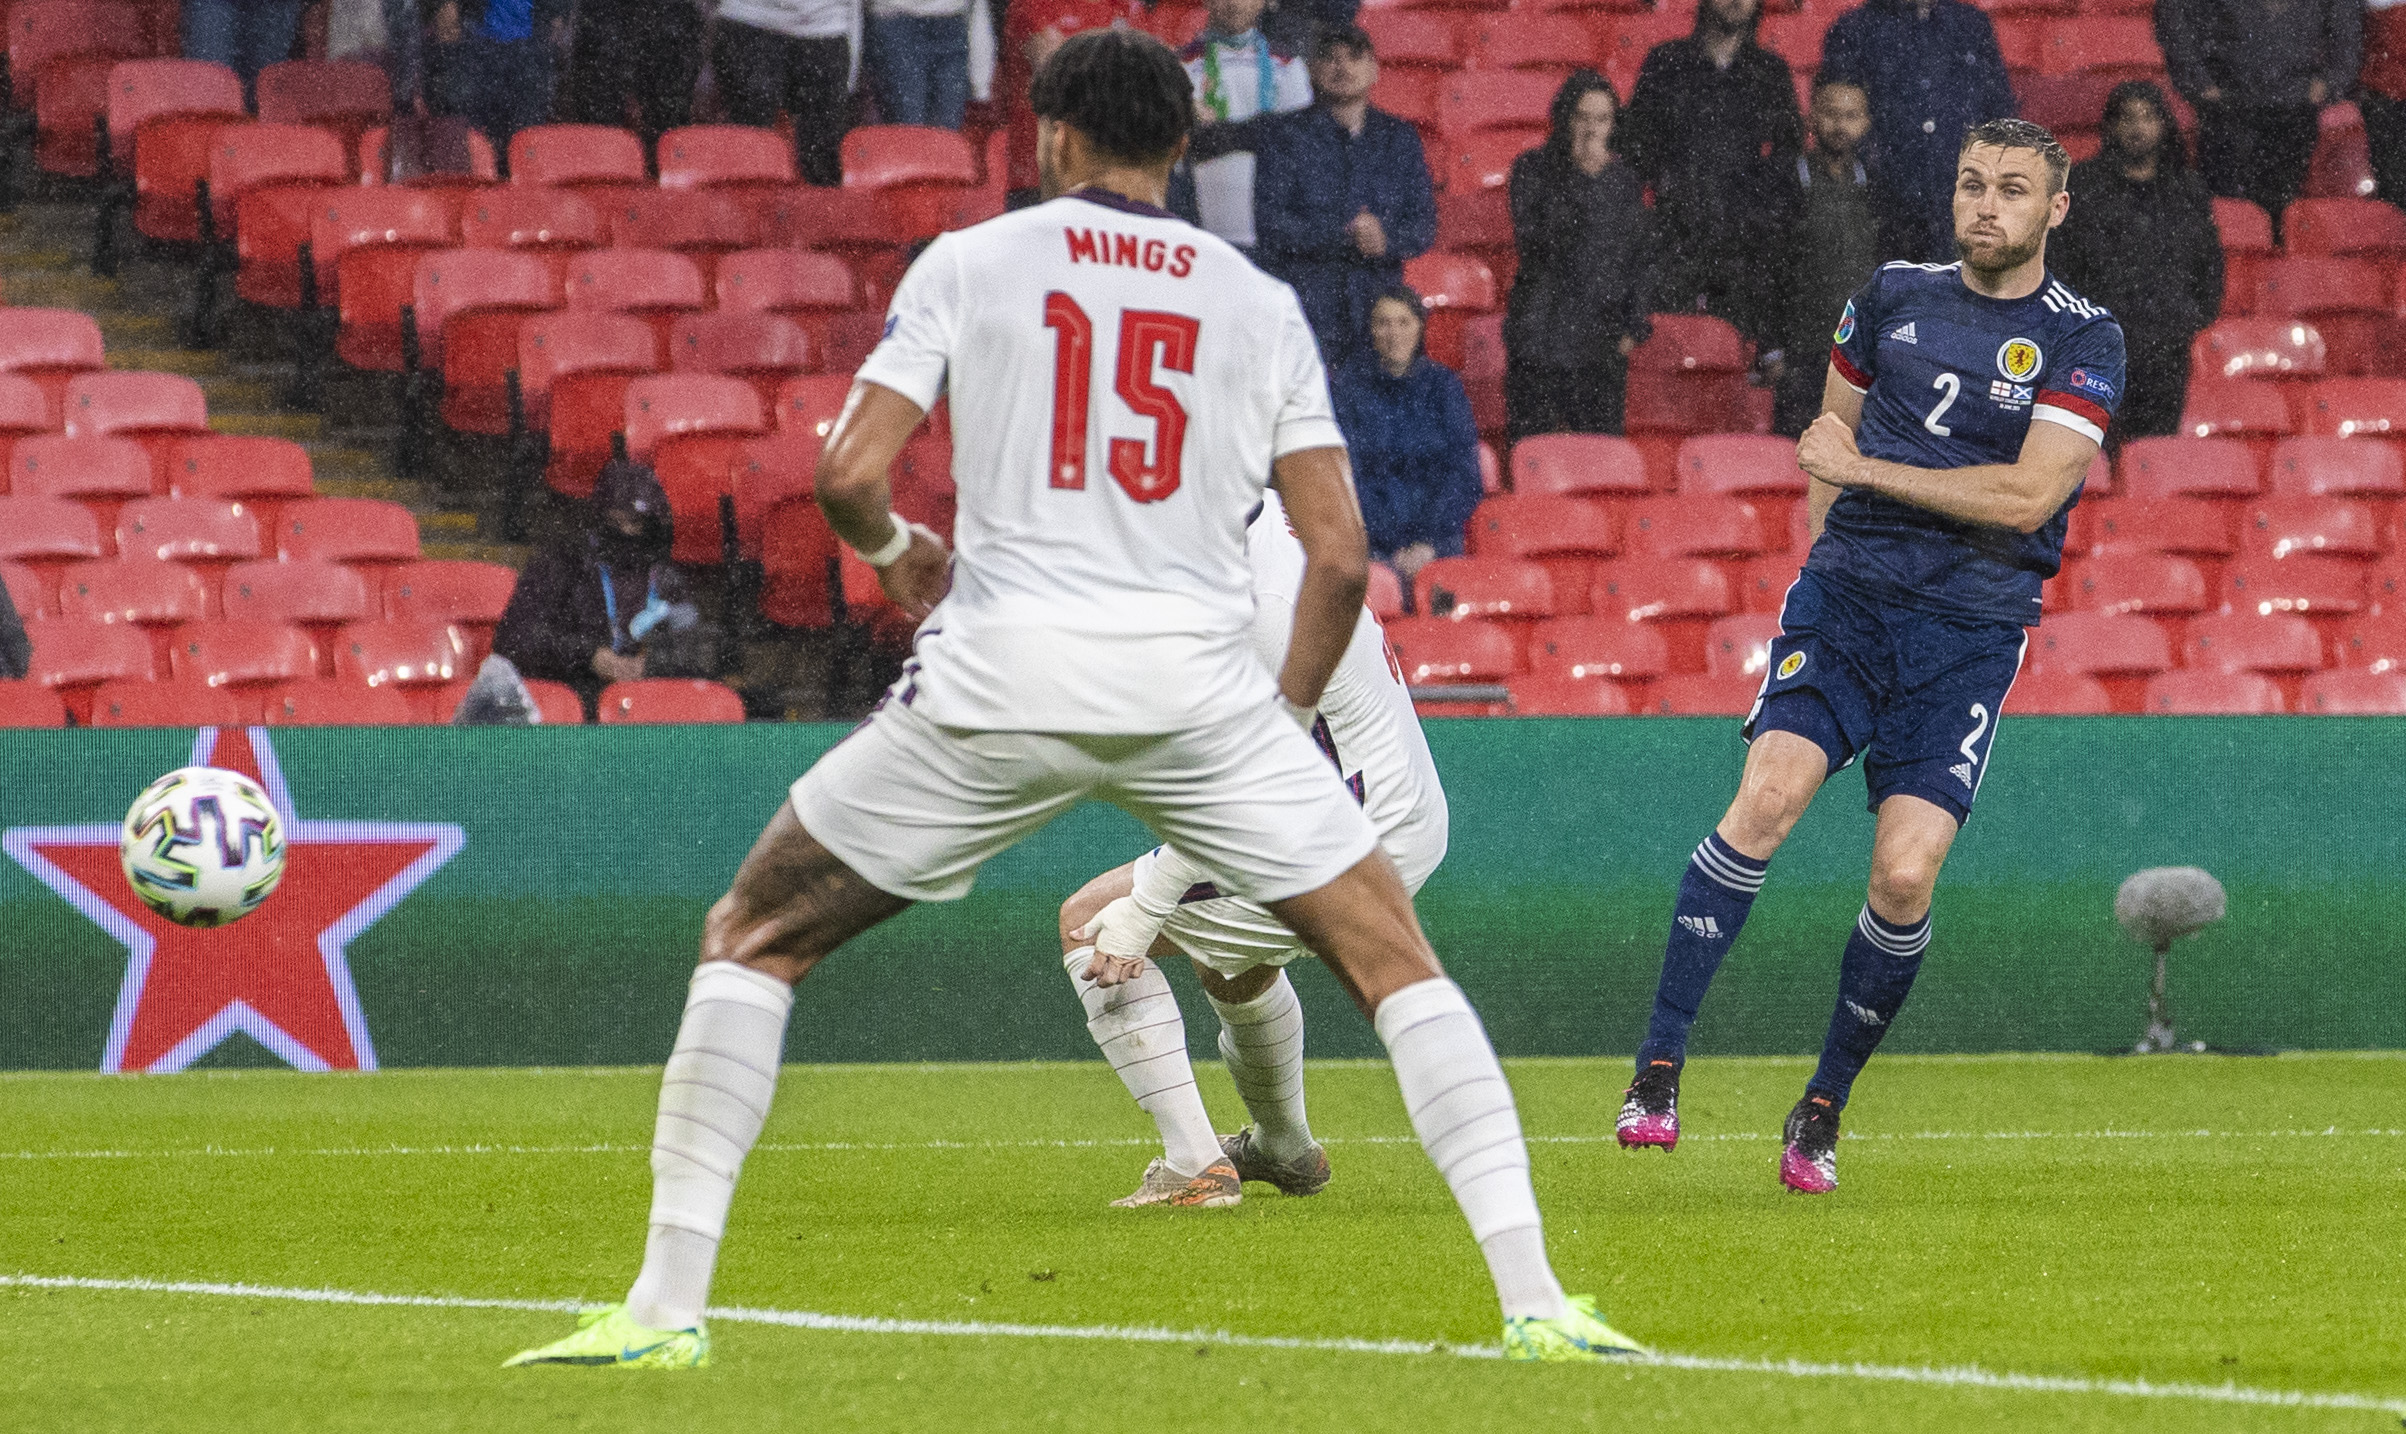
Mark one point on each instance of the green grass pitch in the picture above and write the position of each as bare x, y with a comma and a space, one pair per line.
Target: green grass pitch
2154, 1243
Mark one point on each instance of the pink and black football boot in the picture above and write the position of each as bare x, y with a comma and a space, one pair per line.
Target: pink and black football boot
1650, 1109
1809, 1164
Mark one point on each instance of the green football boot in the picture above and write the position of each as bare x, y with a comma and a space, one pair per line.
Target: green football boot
608, 1336
1580, 1333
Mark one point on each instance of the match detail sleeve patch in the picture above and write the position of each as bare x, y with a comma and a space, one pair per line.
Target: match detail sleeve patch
2074, 412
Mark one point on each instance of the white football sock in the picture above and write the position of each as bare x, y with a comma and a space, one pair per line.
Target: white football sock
714, 1096
1142, 1034
1463, 1112
1262, 1042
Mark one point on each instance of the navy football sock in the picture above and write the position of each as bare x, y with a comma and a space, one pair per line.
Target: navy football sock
1714, 896
1873, 981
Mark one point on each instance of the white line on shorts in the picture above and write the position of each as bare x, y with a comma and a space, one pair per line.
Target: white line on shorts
2334, 1132
1952, 1376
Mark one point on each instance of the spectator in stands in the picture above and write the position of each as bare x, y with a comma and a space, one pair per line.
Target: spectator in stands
245, 36
2140, 240
2259, 73
602, 603
1706, 110
1822, 226
919, 61
491, 63
1415, 450
1032, 30
2381, 95
1579, 302
1240, 77
1932, 70
1341, 195
643, 53
794, 57
16, 649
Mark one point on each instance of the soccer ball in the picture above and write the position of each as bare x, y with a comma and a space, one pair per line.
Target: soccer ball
202, 846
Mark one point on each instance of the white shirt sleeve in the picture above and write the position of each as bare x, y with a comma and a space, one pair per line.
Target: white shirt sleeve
1294, 87
921, 326
1305, 417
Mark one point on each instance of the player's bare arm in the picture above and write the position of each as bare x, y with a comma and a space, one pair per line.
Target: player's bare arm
2021, 495
1843, 401
1317, 486
855, 491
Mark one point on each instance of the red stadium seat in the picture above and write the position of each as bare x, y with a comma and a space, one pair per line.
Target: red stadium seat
415, 657
764, 349
50, 346
101, 473
2355, 407
2097, 644
348, 97
1699, 694
24, 411
2187, 693
2200, 467
1568, 464
1740, 646
71, 656
1385, 599
468, 306
1437, 650
186, 530
29, 704
1471, 100
2186, 526
2223, 408
313, 595
703, 155
1525, 525
763, 474
2286, 527
2375, 642
1694, 527
42, 33
46, 534
73, 93
885, 155
375, 164
2116, 48
1762, 584
162, 116
658, 700
1480, 161
553, 347
1547, 694
366, 241
2259, 348
2336, 467
241, 656
347, 530
471, 596
33, 595
2310, 585
2150, 583
785, 281
1524, 41
263, 474
525, 216
649, 283
2057, 694
1483, 366
2247, 245
1796, 36
1409, 38
2252, 642
133, 404
1740, 463
2354, 694
167, 704
146, 593
1454, 287
264, 184
583, 157
558, 703
1662, 589
658, 405
2305, 287
170, 163
796, 550
2340, 228
334, 702
1461, 588
809, 404
1688, 378
703, 225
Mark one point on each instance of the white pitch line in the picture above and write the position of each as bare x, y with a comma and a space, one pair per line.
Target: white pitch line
1950, 1376
2333, 1132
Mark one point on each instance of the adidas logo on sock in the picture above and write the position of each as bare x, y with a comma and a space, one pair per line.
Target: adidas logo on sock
1904, 334
1962, 772
1703, 926
1866, 1015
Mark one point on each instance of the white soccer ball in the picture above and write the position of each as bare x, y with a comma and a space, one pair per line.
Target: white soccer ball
202, 846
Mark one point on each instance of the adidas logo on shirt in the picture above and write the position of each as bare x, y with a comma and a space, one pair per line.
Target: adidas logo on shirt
1904, 334
1703, 926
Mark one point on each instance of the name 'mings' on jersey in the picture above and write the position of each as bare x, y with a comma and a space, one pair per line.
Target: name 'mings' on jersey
1120, 383
1954, 379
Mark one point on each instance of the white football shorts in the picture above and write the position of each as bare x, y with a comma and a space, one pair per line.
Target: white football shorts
916, 809
1232, 935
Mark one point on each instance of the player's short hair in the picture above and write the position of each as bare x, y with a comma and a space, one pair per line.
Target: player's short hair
1352, 39
2022, 134
1122, 89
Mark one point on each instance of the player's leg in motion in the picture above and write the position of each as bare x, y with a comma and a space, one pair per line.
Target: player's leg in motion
1882, 957
1261, 1041
1362, 926
792, 902
1143, 1034
1783, 771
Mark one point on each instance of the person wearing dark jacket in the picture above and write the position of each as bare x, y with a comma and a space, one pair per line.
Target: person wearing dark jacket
1578, 304
1407, 424
1341, 196
2140, 240
602, 604
2259, 73
1706, 110
491, 62
1933, 70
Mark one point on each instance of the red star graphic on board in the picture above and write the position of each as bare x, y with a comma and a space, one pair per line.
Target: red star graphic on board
279, 975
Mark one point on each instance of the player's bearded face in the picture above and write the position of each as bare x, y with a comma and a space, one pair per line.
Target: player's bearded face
2003, 209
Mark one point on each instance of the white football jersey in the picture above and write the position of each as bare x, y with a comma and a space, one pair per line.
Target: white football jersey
1120, 382
1367, 723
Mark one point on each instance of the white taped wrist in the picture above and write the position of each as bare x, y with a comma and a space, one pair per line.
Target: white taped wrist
894, 547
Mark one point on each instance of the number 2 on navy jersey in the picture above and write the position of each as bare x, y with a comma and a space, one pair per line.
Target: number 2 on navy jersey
1949, 389
1148, 340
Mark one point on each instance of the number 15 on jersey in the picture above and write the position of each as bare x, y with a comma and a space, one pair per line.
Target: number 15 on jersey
1149, 340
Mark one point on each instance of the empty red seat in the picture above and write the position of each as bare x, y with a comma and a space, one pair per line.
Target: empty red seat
2057, 694
29, 592
1577, 463
2253, 642
471, 596
81, 652
1524, 525
1550, 694
1699, 694
29, 704
73, 93
1494, 99
1740, 463
1594, 648
556, 701
2375, 642
785, 281
50, 346
24, 410
2336, 467
145, 593
167, 704
415, 657
101, 472
2354, 694
265, 182
886, 155
2226, 408
42, 33
635, 281
1761, 584
1484, 588
670, 700
703, 225
763, 348
2115, 47
2259, 348
347, 530
2187, 526
336, 702
306, 592
1435, 650
468, 307
1740, 646
1662, 589
702, 155
2204, 693
162, 117
809, 404
2188, 467
578, 156
1690, 377
186, 530
2310, 585
366, 241
2286, 527
553, 347
1692, 526
2095, 644
2356, 407
2151, 583
2366, 228
263, 474
46, 533
1409, 38
658, 405
1525, 41
525, 216
134, 404
2305, 287
237, 654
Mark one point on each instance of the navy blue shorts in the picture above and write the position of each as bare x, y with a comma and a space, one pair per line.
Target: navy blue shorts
1915, 694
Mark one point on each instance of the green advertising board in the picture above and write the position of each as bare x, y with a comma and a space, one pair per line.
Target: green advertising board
533, 896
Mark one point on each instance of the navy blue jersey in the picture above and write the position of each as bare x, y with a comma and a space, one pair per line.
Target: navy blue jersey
1954, 379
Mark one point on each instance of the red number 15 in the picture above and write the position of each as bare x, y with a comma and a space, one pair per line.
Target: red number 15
1148, 339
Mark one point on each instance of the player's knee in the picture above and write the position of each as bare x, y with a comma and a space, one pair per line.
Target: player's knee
1767, 808
1901, 886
